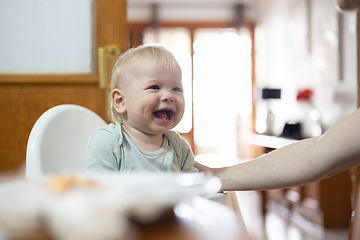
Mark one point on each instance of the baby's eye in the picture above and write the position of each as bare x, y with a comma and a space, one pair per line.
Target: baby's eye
155, 87
177, 89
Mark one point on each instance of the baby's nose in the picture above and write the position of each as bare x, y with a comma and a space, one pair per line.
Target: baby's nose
167, 96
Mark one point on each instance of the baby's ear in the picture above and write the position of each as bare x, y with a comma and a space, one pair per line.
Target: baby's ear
118, 101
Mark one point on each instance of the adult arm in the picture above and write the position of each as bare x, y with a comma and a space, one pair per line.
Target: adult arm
300, 163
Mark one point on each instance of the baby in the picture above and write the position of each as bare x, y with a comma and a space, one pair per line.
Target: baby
147, 101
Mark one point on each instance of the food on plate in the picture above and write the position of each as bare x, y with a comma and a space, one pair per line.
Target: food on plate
61, 182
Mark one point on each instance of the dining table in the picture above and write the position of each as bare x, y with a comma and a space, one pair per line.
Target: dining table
180, 207
198, 219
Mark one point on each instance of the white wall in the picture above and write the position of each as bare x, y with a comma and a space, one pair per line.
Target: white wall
282, 62
45, 36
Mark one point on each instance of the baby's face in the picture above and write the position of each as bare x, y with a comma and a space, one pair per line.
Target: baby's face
153, 96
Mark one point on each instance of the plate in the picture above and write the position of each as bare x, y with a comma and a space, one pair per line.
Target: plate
62, 206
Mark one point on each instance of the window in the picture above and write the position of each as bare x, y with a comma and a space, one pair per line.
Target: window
222, 87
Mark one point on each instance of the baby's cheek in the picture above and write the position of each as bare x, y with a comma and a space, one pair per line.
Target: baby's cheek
181, 107
136, 116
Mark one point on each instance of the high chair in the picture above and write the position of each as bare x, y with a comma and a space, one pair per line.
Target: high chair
59, 140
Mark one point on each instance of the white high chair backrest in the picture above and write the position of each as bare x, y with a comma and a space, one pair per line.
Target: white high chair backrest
59, 140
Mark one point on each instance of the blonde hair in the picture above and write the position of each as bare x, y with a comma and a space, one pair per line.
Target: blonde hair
122, 67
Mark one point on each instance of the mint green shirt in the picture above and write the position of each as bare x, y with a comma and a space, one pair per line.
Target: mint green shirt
111, 149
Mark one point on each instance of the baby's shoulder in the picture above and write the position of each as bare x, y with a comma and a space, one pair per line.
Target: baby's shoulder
111, 131
173, 136
176, 140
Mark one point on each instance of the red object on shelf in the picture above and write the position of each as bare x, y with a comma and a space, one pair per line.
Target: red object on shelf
304, 95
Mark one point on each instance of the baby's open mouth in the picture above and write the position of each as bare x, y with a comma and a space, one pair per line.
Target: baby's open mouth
163, 114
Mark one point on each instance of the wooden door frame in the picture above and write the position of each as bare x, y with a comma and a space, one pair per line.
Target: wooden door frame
24, 97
